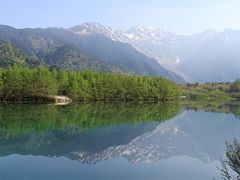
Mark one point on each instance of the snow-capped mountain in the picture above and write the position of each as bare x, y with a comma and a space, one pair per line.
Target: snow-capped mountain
97, 28
185, 55
157, 43
88, 29
133, 35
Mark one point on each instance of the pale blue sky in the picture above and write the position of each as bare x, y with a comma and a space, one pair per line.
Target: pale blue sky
179, 16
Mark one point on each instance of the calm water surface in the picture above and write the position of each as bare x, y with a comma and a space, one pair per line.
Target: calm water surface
113, 141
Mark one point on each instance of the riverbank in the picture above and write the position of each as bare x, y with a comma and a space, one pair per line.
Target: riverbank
59, 100
228, 92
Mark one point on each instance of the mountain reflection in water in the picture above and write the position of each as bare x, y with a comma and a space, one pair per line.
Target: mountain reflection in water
91, 133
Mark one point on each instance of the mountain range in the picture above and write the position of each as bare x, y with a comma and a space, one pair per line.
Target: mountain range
206, 57
61, 48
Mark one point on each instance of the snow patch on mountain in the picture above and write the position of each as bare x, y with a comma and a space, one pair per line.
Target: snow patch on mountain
97, 28
180, 53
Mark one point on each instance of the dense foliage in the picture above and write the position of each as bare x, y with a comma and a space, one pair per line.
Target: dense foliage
18, 83
235, 86
230, 169
71, 58
10, 55
209, 92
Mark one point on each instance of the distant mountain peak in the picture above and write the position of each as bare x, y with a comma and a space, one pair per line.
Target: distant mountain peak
144, 29
140, 33
89, 28
135, 34
97, 28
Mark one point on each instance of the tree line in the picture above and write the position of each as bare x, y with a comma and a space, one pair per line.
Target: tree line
19, 83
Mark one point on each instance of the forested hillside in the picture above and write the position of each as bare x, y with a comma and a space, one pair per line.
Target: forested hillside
10, 55
71, 58
98, 50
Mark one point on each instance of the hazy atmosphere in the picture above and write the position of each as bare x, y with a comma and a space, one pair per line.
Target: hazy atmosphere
119, 90
182, 17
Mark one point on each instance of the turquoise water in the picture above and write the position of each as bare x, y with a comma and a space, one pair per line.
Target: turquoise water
110, 141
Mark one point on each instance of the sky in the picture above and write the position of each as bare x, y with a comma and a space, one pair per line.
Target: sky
179, 16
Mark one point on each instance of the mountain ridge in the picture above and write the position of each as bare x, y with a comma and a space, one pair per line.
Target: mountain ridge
41, 42
187, 55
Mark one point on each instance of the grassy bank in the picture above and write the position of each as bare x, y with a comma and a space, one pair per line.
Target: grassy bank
215, 97
212, 92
